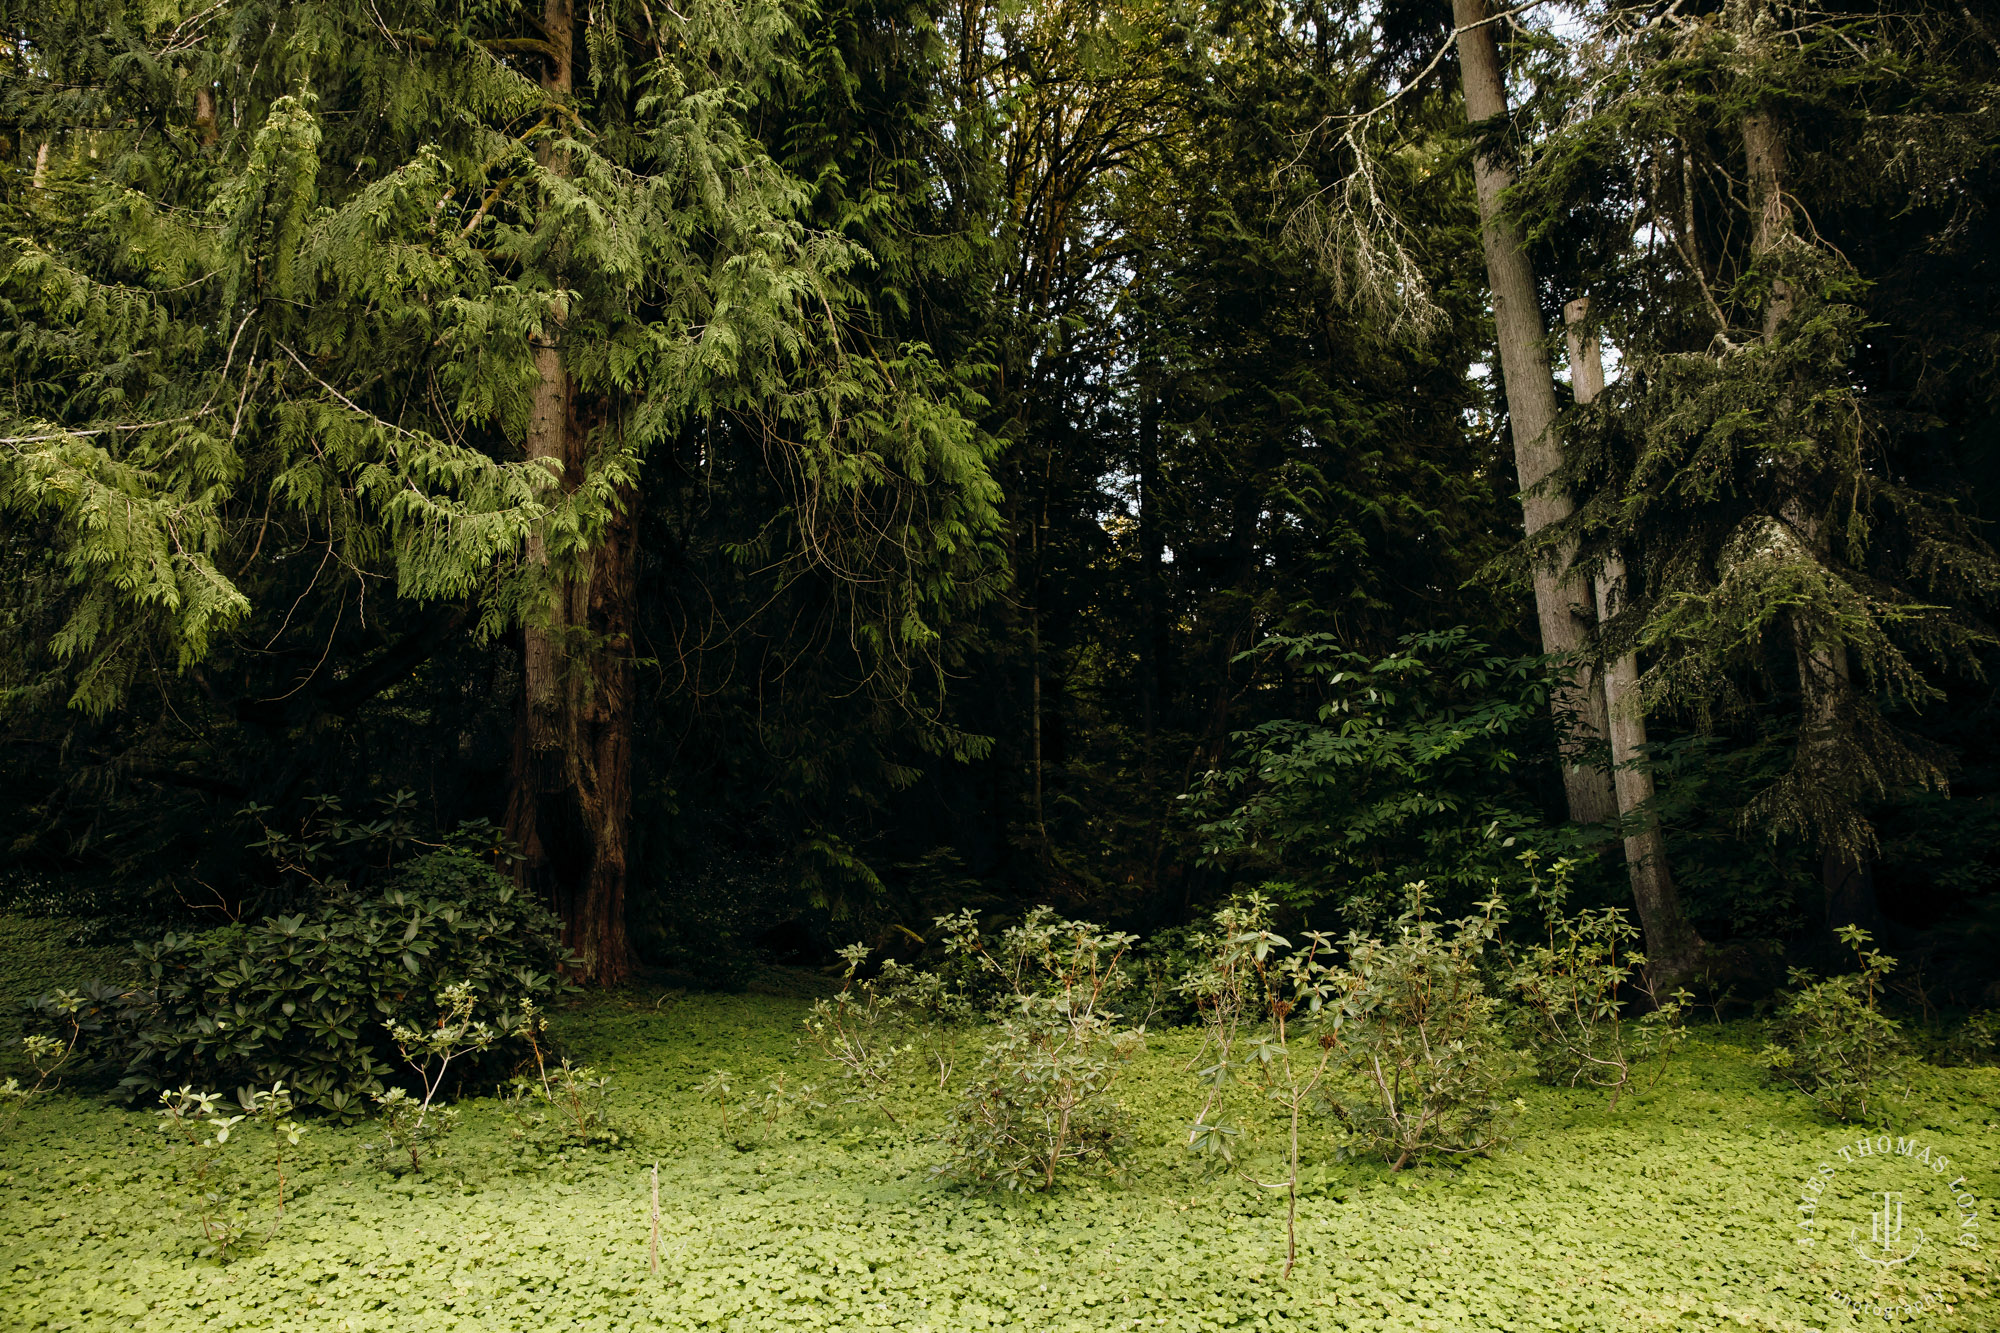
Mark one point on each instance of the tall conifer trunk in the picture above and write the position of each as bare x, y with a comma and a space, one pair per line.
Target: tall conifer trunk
1672, 946
1563, 603
1846, 877
569, 808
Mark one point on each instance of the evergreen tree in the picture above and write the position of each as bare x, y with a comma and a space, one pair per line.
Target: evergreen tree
424, 287
1565, 603
1719, 172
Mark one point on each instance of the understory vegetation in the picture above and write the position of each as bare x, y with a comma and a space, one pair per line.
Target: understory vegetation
1371, 1081
1674, 1211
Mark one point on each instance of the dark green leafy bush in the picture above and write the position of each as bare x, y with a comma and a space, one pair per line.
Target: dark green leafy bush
1572, 987
307, 999
1976, 1041
1424, 1037
1407, 769
1041, 1101
1831, 1040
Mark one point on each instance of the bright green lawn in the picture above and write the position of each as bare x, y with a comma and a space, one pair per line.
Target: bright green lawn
1674, 1212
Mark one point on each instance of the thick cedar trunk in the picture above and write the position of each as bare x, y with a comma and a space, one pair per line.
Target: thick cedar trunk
569, 808
1847, 879
1672, 946
1563, 602
594, 913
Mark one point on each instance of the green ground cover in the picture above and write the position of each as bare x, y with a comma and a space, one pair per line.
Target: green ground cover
1676, 1211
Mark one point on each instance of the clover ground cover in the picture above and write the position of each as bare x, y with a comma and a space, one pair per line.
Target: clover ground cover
1674, 1212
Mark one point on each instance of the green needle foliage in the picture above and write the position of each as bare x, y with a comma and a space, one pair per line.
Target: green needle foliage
288, 277
1746, 196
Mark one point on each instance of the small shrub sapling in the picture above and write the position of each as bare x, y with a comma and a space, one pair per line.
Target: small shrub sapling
1571, 988
417, 1127
856, 1031
1424, 1036
1040, 1103
718, 1084
212, 1149
784, 1097
1830, 1038
1273, 1015
271, 1109
49, 1053
567, 1106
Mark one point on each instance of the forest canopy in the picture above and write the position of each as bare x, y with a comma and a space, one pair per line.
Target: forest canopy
765, 473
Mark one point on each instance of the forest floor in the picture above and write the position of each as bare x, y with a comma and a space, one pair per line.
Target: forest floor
1675, 1211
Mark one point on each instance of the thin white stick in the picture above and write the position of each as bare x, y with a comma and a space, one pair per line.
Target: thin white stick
655, 1243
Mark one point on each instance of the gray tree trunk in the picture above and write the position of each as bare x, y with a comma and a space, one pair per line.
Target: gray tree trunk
1672, 946
1563, 602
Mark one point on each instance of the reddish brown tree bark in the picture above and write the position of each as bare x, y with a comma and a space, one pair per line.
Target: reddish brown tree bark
570, 801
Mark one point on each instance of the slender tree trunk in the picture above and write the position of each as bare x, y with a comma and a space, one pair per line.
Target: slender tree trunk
1152, 552
569, 807
1035, 718
1154, 643
1672, 946
1563, 602
1846, 877
1039, 536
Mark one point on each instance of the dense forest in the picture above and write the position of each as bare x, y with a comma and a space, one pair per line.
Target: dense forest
782, 472
759, 666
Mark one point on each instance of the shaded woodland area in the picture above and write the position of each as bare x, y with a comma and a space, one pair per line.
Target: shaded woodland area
786, 472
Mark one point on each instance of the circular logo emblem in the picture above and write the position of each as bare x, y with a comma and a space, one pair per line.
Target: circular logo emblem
1885, 1215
